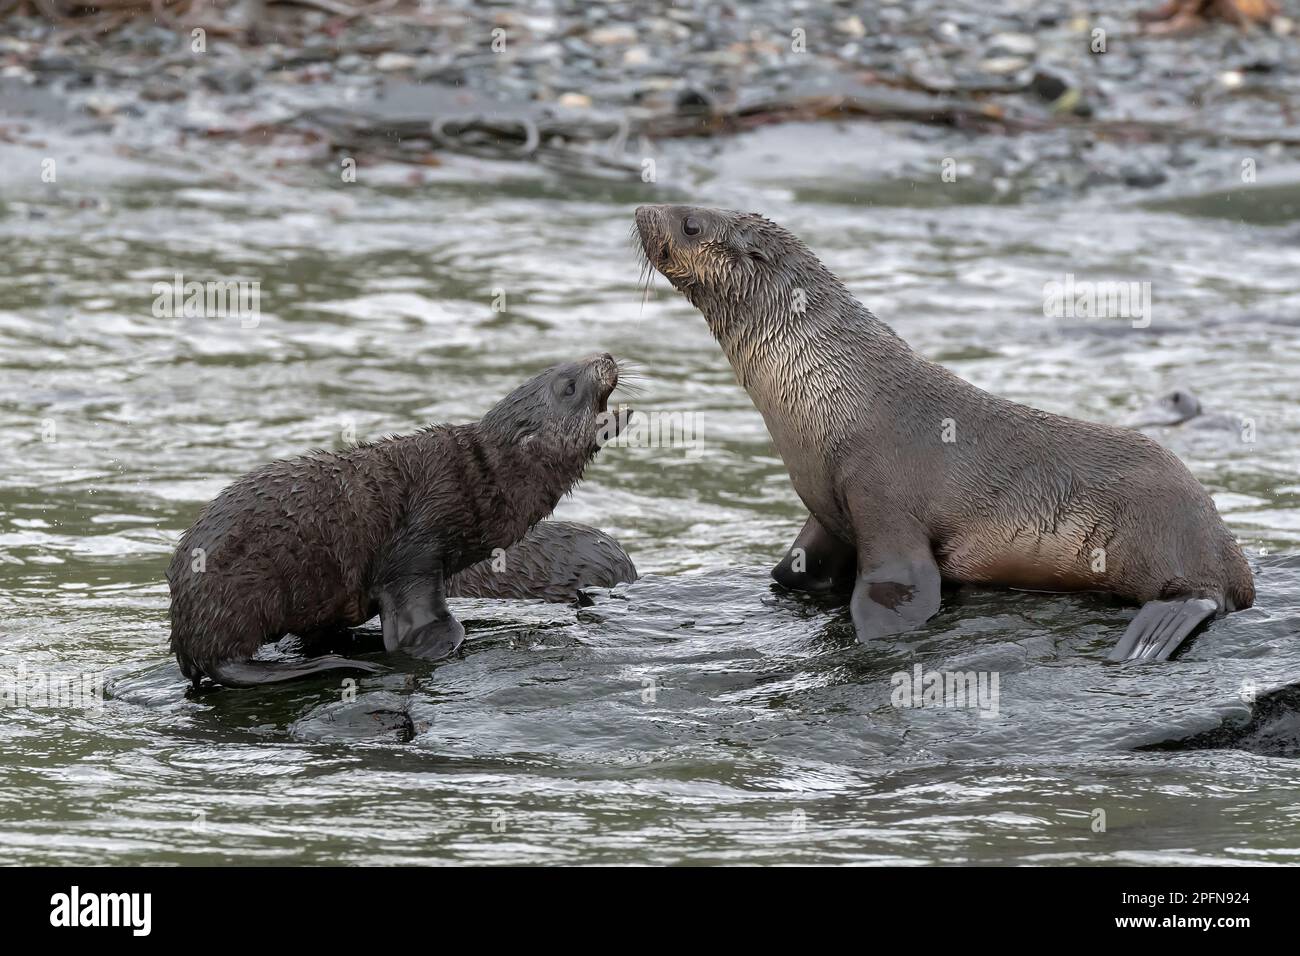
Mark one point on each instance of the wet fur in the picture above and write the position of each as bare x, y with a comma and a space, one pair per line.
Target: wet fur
553, 562
1021, 498
305, 545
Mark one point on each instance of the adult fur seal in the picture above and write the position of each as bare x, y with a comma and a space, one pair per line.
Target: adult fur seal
913, 475
553, 562
312, 544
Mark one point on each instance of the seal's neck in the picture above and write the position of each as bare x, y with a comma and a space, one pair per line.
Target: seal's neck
804, 348
525, 479
769, 311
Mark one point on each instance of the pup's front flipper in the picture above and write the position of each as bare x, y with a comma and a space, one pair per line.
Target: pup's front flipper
417, 621
898, 581
817, 561
1161, 627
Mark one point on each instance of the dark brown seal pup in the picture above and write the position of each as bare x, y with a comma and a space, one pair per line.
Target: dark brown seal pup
312, 544
913, 475
553, 562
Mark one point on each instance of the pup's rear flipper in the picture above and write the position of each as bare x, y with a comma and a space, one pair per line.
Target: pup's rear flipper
1160, 627
257, 673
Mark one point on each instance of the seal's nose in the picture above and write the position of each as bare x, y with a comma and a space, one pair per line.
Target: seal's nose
605, 367
650, 218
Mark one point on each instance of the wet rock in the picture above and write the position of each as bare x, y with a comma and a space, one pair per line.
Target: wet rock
1049, 86
1004, 65
620, 35
1180, 157
852, 26
663, 28
948, 31
1013, 45
376, 716
576, 48
54, 63
102, 106
308, 56
352, 63
439, 71
1142, 175
229, 81
540, 25
541, 54
929, 74
1269, 726
692, 102
395, 62
162, 91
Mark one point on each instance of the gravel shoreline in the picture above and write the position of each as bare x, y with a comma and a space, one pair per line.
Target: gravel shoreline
583, 87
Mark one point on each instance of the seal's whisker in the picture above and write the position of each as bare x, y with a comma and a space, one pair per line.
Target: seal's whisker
631, 377
632, 386
628, 369
646, 278
646, 282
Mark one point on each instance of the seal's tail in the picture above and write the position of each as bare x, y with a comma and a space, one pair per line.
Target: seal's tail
258, 673
1161, 627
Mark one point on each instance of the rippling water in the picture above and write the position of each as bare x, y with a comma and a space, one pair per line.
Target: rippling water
696, 715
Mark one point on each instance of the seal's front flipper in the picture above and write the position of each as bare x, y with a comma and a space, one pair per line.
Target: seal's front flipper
817, 561
435, 640
898, 594
898, 580
417, 621
258, 673
1161, 627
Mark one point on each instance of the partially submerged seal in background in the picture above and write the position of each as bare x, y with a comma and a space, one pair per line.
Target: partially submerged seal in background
913, 475
554, 562
327, 540
1171, 408
1181, 407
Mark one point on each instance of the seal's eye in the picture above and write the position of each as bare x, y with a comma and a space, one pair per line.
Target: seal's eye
570, 388
691, 226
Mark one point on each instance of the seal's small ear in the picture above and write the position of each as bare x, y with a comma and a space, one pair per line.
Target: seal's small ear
745, 242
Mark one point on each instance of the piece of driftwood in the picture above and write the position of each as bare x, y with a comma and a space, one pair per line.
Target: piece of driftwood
885, 103
1185, 16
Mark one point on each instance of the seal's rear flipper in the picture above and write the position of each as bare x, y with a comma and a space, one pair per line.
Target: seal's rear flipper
1161, 627
817, 561
257, 673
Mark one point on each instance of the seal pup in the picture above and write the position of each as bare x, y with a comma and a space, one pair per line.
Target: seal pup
913, 475
554, 562
327, 540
